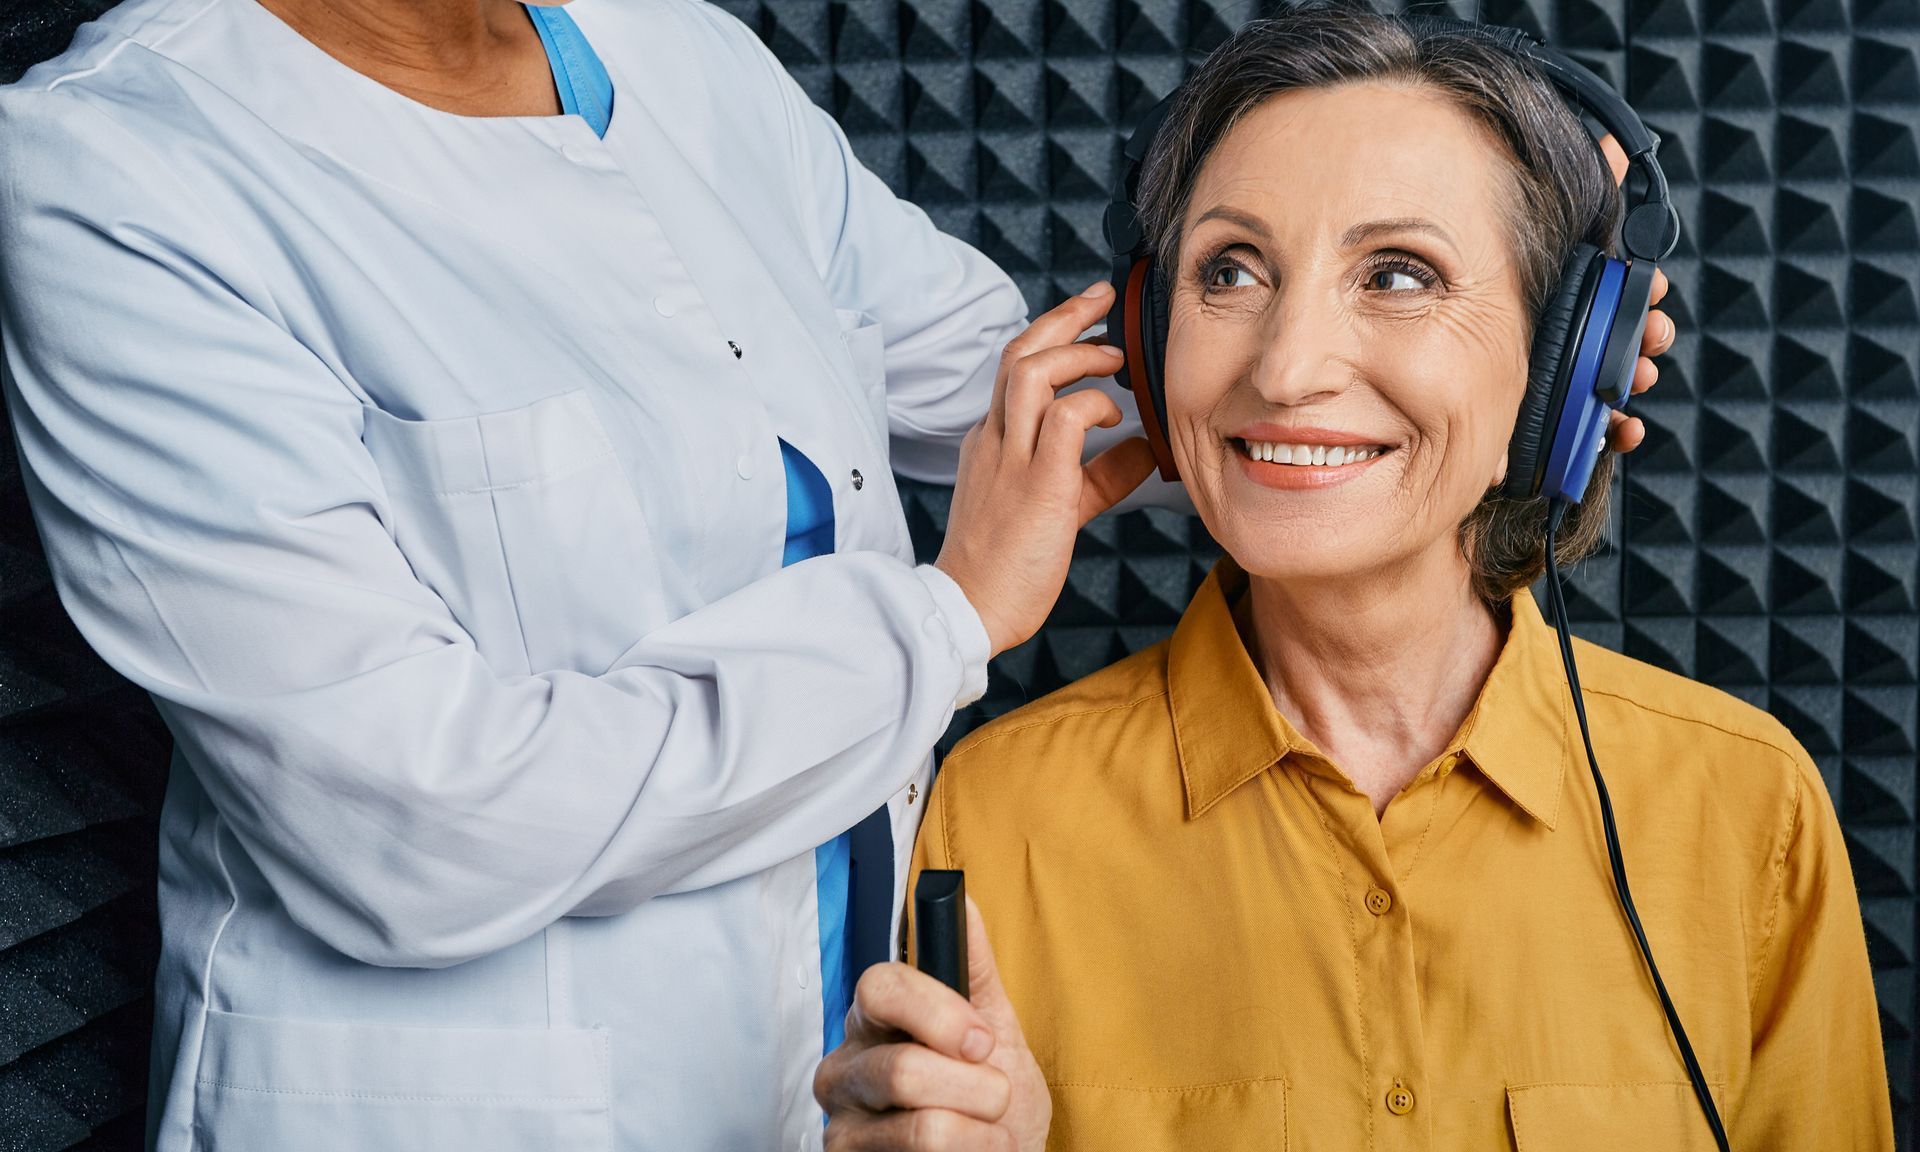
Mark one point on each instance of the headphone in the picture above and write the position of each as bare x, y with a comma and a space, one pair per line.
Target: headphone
1586, 341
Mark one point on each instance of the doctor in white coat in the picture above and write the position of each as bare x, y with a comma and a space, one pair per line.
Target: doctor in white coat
432, 457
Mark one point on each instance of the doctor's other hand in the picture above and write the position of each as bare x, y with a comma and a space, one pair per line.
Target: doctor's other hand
1624, 432
923, 1070
1022, 492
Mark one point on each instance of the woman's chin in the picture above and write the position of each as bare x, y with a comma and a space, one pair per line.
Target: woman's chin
1266, 563
1299, 549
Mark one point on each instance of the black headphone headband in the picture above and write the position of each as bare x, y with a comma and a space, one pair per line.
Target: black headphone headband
1651, 227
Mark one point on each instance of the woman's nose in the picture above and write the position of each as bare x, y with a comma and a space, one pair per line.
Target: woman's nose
1305, 348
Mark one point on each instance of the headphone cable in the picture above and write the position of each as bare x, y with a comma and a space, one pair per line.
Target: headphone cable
1556, 599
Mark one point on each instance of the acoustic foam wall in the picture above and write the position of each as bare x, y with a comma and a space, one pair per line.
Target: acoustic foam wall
1764, 542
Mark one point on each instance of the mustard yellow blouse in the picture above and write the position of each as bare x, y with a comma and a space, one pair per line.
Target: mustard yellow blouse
1215, 945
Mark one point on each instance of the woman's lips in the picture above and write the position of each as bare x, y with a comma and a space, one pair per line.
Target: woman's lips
1295, 463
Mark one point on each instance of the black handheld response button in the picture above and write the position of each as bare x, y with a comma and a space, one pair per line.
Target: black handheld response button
940, 926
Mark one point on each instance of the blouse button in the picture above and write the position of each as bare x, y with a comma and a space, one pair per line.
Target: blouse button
1378, 901
1399, 1099
664, 306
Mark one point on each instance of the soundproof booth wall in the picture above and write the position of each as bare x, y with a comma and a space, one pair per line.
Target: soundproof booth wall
1764, 541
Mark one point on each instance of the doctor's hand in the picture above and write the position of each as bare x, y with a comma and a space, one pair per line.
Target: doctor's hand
922, 1070
1022, 492
1624, 432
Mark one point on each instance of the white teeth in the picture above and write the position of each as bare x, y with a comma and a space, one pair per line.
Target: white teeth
1307, 455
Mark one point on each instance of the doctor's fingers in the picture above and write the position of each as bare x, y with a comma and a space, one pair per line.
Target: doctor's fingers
892, 999
909, 1076
1033, 382
927, 1130
1061, 325
1062, 440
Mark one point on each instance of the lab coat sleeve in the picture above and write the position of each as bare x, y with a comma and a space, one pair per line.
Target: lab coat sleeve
218, 532
945, 310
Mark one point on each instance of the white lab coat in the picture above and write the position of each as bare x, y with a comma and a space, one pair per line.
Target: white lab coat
404, 458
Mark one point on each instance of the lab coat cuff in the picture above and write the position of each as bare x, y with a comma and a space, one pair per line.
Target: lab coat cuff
958, 621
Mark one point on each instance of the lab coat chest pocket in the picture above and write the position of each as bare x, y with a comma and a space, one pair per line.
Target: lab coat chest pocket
867, 346
313, 1086
524, 523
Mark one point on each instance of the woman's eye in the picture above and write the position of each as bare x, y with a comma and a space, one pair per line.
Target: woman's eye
1230, 276
1395, 279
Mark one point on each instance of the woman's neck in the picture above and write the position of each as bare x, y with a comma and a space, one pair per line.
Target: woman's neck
1379, 672
470, 57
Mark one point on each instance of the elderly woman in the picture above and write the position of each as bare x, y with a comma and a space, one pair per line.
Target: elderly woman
1325, 869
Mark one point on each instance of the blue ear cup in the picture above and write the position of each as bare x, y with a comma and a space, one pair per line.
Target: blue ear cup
1560, 326
1585, 346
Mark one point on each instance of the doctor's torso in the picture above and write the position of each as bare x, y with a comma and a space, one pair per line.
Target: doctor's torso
574, 359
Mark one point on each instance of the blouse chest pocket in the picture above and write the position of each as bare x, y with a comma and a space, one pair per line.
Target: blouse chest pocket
525, 525
1242, 1116
1608, 1117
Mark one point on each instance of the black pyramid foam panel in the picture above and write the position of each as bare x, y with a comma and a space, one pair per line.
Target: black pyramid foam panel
1765, 541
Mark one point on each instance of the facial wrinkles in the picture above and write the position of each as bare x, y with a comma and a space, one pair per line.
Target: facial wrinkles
1439, 371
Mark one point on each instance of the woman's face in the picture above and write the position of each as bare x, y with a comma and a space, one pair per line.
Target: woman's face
1346, 293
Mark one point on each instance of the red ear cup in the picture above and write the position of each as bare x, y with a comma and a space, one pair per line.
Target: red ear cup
1139, 334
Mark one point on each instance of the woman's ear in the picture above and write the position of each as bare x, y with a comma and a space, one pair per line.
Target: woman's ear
1500, 471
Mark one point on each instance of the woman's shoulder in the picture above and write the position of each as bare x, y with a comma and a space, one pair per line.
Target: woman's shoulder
1713, 717
1075, 733
1698, 746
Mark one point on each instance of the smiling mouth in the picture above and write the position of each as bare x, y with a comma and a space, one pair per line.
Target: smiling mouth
1309, 455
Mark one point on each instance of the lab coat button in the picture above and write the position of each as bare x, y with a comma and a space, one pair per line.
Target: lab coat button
744, 466
859, 481
574, 153
800, 974
664, 306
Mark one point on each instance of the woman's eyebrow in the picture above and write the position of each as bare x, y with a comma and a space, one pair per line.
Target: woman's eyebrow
1372, 229
1245, 220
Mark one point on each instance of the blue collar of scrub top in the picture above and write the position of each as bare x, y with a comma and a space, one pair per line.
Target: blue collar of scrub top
585, 88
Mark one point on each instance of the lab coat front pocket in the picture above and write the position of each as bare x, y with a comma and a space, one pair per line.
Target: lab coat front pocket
311, 1086
525, 524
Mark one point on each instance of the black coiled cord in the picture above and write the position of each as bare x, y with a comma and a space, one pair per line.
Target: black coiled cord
1556, 599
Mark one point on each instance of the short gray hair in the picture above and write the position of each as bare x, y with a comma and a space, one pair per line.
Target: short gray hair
1562, 194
